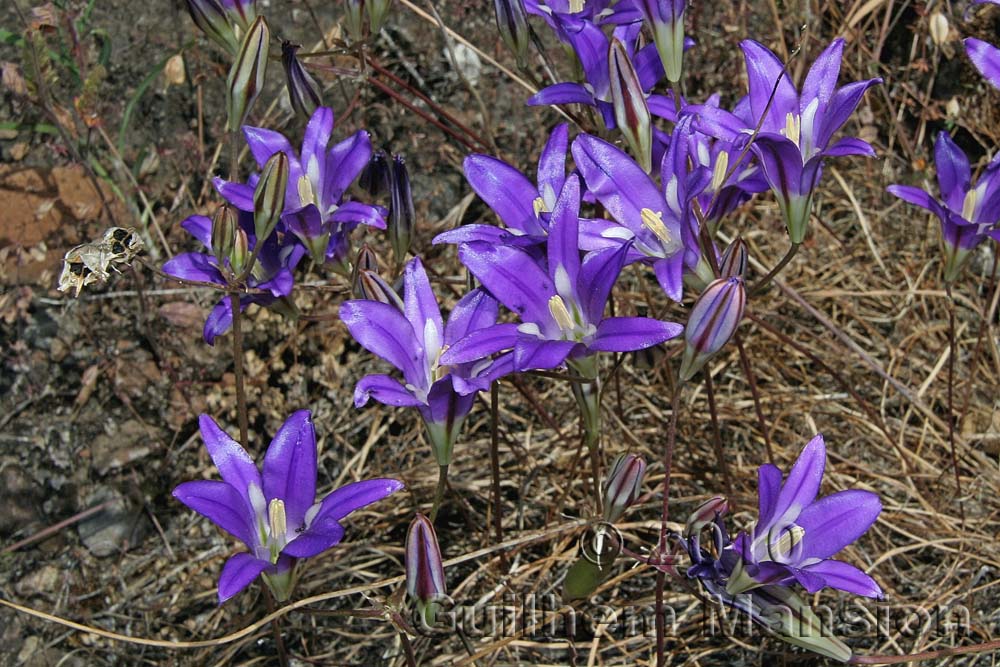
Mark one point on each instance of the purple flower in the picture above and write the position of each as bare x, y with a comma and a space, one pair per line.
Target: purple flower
274, 511
792, 542
523, 207
657, 225
315, 208
796, 535
795, 135
272, 270
561, 307
413, 340
968, 214
986, 58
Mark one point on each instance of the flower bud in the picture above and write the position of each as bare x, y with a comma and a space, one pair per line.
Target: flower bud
734, 259
354, 19
623, 485
705, 514
939, 28
375, 179
269, 196
224, 225
512, 23
631, 112
712, 322
241, 252
401, 213
365, 260
303, 91
378, 13
424, 571
373, 287
212, 20
246, 77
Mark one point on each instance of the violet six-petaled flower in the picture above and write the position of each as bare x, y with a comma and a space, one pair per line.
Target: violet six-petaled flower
274, 512
968, 214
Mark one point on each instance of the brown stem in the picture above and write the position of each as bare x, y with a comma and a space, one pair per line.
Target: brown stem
763, 282
984, 319
668, 458
752, 381
241, 399
716, 433
926, 655
442, 484
420, 112
952, 348
495, 467
279, 641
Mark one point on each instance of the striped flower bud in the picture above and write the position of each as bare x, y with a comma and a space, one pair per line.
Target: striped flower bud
705, 514
246, 77
401, 214
734, 259
375, 178
378, 14
212, 20
712, 322
303, 91
365, 260
241, 252
631, 112
623, 485
512, 23
269, 196
224, 226
371, 286
665, 19
424, 570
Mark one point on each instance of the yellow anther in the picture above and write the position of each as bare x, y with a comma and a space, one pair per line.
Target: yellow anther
653, 221
305, 188
276, 517
719, 171
793, 126
783, 546
560, 313
539, 205
969, 205
575, 6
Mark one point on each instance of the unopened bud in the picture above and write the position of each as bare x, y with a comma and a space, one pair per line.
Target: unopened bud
212, 20
705, 514
939, 28
712, 322
241, 12
269, 196
425, 581
225, 222
246, 77
734, 259
365, 260
375, 178
371, 286
631, 111
241, 252
623, 485
303, 91
512, 23
401, 214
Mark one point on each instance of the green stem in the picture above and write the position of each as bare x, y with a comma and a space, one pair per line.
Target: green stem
439, 492
241, 399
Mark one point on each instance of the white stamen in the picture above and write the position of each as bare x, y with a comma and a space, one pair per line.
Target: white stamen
277, 520
653, 221
539, 205
969, 205
793, 127
305, 188
719, 171
557, 307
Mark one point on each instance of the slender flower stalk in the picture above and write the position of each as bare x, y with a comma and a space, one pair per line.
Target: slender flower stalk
246, 76
274, 512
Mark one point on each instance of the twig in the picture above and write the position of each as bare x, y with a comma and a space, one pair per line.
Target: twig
668, 456
716, 433
495, 465
241, 399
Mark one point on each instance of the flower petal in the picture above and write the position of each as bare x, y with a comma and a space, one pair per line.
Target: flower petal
821, 81
802, 485
238, 572
552, 164
764, 71
239, 195
954, 176
344, 163
986, 59
480, 344
339, 503
597, 278
220, 503
383, 330
505, 190
194, 266
562, 93
846, 577
512, 277
264, 143
564, 239
532, 353
833, 522
200, 227
626, 334
476, 310
320, 536
233, 462
384, 389
421, 308
290, 467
